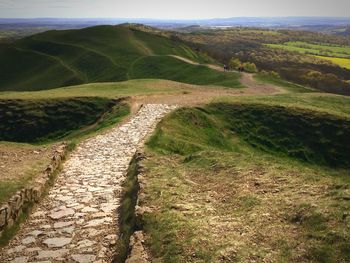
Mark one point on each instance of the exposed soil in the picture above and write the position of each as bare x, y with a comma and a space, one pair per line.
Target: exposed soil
18, 160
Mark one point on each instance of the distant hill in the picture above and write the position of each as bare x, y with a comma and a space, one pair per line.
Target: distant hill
97, 54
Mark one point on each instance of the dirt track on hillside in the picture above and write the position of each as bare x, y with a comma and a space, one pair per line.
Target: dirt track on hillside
200, 94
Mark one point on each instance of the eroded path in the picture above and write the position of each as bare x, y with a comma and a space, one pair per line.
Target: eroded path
77, 221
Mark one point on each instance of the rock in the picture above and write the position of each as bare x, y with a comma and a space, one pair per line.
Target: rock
57, 242
63, 224
3, 211
28, 240
98, 222
85, 243
36, 233
62, 213
20, 260
16, 249
68, 230
89, 210
33, 249
81, 258
47, 254
138, 253
108, 207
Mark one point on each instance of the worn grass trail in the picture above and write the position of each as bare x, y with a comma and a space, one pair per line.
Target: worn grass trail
77, 221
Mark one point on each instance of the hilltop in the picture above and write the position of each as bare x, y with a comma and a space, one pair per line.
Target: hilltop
99, 54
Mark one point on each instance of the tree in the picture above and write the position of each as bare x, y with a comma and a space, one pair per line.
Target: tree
235, 63
249, 67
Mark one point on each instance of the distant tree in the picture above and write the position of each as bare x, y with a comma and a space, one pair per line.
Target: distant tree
235, 63
249, 67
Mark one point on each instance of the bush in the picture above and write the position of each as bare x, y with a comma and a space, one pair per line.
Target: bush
250, 67
235, 63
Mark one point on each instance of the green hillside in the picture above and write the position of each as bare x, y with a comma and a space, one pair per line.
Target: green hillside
98, 54
165, 67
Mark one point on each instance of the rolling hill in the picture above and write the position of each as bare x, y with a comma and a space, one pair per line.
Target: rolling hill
97, 54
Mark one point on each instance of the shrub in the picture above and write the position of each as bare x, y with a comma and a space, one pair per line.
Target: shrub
249, 67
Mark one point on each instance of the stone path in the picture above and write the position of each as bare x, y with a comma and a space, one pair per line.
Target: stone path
77, 221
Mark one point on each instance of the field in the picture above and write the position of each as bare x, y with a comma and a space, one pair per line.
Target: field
214, 195
339, 55
290, 53
343, 62
315, 49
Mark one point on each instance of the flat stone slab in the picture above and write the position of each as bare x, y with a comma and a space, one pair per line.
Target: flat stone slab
77, 221
57, 242
62, 213
52, 254
81, 258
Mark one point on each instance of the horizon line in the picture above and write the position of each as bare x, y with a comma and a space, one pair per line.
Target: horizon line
174, 19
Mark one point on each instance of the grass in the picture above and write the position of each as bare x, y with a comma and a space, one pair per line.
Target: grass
289, 86
339, 55
323, 103
49, 120
321, 49
343, 62
71, 57
127, 221
166, 67
105, 90
310, 136
213, 197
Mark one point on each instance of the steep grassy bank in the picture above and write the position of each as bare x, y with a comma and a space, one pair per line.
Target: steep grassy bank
52, 119
307, 135
213, 197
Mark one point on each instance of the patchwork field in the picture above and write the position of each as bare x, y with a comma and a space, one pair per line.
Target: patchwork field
315, 49
339, 55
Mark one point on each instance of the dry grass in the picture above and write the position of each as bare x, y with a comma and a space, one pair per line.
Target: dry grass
19, 163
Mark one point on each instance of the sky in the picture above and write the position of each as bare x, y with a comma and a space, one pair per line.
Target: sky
171, 9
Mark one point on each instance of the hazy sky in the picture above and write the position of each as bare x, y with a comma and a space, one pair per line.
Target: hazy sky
172, 9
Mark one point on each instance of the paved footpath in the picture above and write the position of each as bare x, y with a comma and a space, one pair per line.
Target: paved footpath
77, 221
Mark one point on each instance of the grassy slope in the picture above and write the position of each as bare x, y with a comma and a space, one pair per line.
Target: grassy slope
215, 197
96, 54
43, 120
106, 90
164, 67
288, 86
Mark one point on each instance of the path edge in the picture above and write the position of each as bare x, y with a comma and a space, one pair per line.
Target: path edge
19, 204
